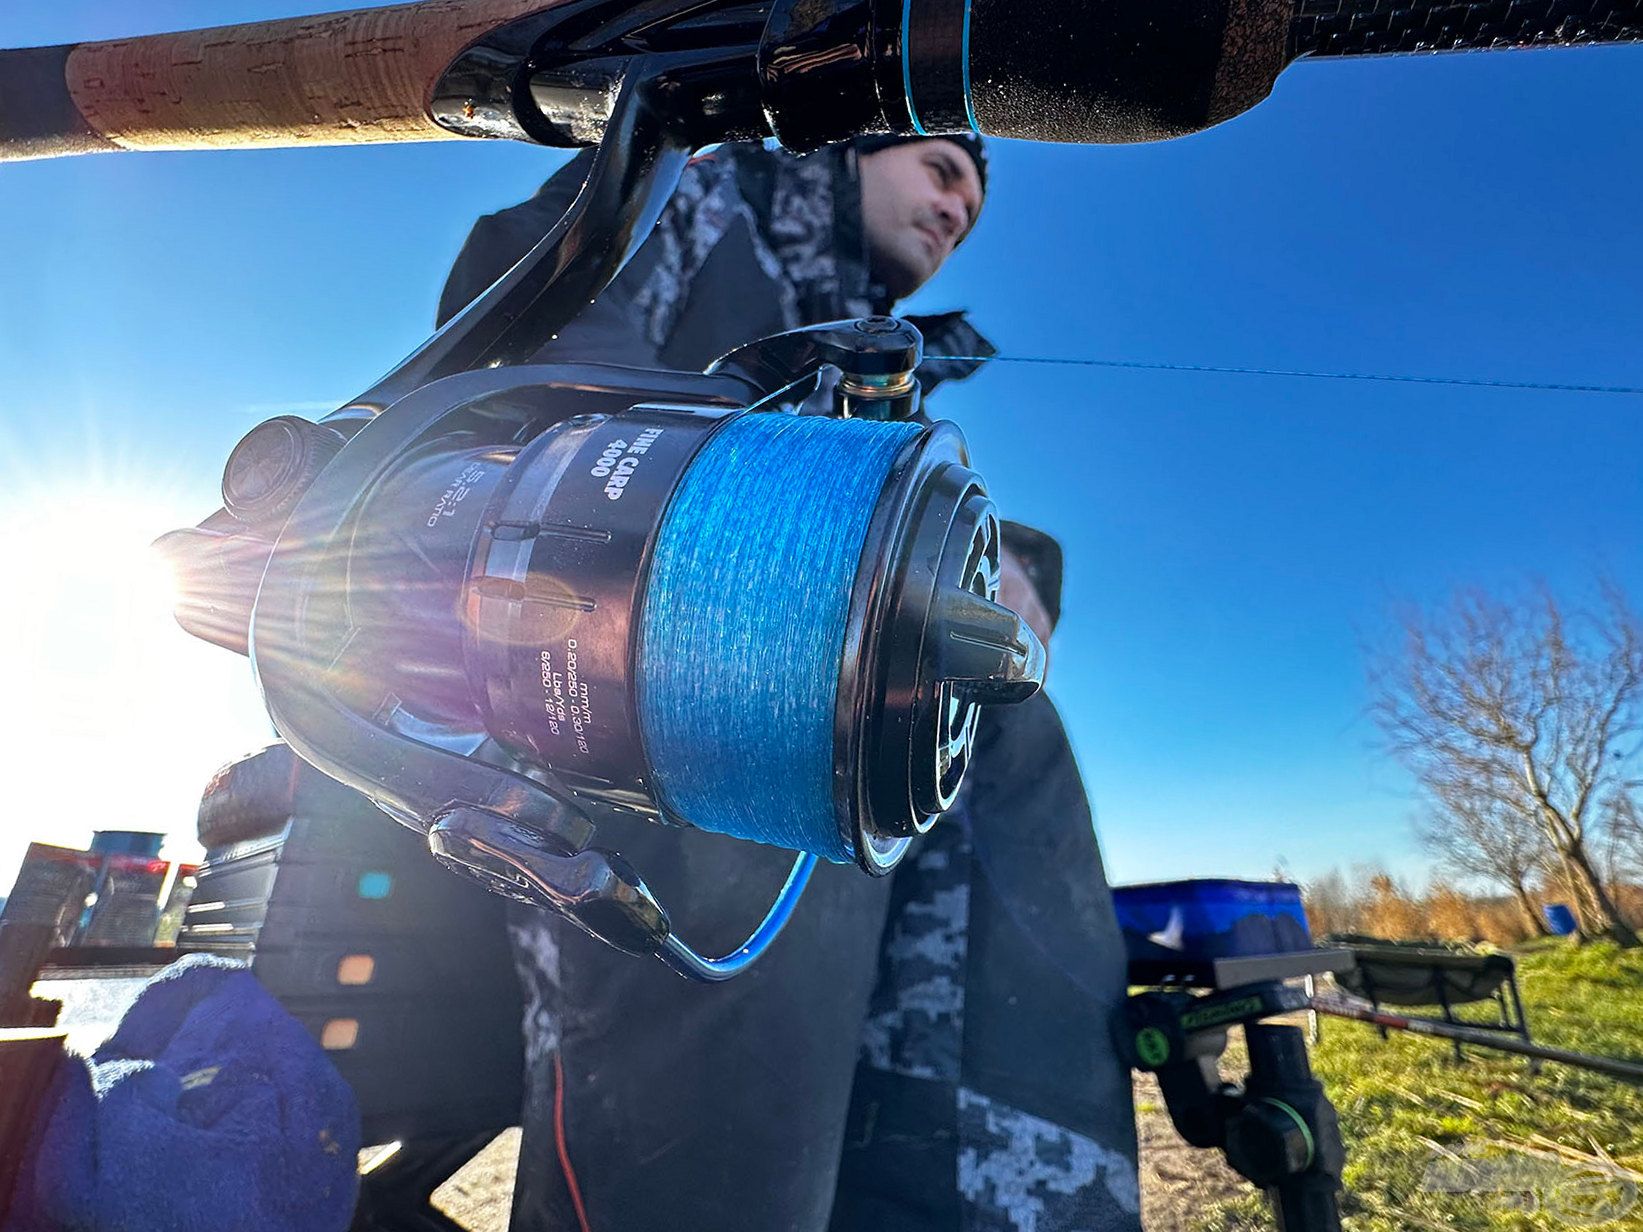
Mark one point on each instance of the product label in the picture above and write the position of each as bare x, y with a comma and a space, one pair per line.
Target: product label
565, 697
454, 495
620, 459
553, 694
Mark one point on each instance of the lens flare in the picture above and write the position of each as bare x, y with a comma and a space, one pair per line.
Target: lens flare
114, 717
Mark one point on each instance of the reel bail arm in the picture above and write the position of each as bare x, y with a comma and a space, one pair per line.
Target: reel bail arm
876, 359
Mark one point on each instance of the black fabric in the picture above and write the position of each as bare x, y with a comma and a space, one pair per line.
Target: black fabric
988, 1095
605, 332
727, 305
1044, 940
691, 1106
971, 143
898, 1165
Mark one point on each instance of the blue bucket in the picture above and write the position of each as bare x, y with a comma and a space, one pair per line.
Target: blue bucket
1560, 919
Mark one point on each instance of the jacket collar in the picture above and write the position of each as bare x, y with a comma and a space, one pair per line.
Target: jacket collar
809, 212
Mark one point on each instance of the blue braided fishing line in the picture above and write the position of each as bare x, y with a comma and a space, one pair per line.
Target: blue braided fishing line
743, 624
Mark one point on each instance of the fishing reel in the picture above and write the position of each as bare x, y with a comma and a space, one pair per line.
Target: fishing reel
506, 600
523, 599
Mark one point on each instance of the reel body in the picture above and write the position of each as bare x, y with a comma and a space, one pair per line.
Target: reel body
523, 599
504, 600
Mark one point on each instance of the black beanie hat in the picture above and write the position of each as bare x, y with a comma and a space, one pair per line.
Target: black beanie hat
970, 142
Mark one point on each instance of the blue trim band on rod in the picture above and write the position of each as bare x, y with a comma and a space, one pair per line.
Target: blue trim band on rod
907, 65
743, 624
969, 104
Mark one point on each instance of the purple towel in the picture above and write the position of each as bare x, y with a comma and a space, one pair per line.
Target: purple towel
209, 1109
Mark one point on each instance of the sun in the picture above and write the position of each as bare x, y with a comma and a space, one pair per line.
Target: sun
114, 718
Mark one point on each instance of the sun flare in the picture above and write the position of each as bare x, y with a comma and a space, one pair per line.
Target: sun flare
114, 717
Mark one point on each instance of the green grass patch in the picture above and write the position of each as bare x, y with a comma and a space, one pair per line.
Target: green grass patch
1485, 1145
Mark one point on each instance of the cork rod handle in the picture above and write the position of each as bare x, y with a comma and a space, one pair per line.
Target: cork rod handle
332, 79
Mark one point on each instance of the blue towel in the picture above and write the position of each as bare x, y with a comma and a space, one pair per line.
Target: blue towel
210, 1109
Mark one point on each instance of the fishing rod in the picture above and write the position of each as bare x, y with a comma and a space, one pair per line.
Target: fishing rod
513, 603
1626, 1071
802, 71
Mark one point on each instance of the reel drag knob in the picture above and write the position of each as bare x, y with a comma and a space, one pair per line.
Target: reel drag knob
273, 465
988, 655
983, 652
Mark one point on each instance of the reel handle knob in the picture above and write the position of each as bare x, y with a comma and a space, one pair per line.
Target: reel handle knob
989, 654
273, 465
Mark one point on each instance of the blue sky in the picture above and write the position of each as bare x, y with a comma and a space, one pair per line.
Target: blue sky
1232, 540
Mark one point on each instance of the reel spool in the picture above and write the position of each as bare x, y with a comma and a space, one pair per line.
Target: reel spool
523, 599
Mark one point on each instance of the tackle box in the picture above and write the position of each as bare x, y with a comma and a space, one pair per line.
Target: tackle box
1210, 918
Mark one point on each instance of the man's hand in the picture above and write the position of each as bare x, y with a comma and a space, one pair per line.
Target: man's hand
1017, 592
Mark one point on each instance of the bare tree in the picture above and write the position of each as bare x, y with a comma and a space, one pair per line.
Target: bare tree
1623, 831
1475, 835
1506, 710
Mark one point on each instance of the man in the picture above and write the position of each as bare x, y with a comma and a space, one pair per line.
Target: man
922, 1052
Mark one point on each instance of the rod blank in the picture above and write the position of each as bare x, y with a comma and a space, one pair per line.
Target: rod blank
1626, 1071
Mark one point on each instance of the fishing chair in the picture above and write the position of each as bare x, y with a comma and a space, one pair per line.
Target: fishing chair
1393, 973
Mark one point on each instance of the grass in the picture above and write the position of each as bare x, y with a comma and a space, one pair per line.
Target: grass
1516, 1151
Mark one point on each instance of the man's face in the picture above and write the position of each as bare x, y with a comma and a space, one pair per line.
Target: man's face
917, 201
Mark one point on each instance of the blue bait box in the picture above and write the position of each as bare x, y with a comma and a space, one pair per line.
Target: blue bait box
1211, 918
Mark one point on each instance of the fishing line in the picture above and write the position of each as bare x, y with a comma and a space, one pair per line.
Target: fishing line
744, 623
1227, 370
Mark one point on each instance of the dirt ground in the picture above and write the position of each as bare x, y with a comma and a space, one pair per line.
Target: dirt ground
1176, 1179
478, 1196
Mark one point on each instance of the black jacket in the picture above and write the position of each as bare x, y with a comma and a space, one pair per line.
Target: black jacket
917, 1053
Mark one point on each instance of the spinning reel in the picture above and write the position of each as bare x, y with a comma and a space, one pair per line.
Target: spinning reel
508, 601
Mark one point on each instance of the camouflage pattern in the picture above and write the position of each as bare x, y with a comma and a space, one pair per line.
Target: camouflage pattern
984, 1066
804, 234
985, 981
793, 240
1021, 1173
536, 961
704, 205
916, 1024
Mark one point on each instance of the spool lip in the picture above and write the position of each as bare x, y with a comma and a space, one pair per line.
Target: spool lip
879, 673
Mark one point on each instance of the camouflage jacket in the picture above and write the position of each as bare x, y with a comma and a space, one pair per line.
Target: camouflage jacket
927, 1052
753, 242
